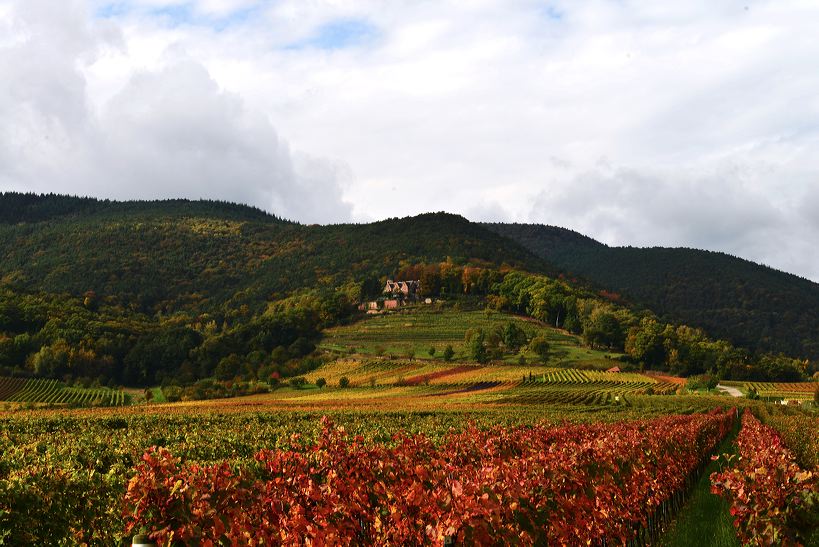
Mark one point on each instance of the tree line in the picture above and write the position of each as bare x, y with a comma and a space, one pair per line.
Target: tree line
76, 339
604, 321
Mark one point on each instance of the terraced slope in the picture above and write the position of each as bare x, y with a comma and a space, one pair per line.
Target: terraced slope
415, 331
20, 390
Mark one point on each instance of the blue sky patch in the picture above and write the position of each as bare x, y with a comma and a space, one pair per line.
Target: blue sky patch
111, 10
175, 16
178, 15
339, 34
552, 12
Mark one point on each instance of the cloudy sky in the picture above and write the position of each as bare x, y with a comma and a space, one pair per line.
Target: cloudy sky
644, 123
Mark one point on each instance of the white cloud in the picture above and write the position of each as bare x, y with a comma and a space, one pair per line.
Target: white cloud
688, 123
164, 131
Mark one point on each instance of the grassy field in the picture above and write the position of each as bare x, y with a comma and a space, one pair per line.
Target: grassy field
414, 331
705, 517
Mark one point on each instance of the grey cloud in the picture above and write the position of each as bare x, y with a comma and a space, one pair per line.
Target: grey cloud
170, 132
625, 206
808, 210
487, 211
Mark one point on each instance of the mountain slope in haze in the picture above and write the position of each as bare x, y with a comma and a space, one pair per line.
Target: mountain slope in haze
197, 255
753, 306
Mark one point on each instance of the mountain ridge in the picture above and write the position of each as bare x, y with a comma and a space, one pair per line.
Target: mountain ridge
749, 304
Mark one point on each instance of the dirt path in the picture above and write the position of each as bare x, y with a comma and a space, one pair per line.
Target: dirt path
732, 391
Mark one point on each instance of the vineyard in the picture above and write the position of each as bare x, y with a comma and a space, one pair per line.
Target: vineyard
527, 486
773, 500
414, 331
398, 446
362, 372
79, 489
52, 392
507, 384
270, 470
799, 431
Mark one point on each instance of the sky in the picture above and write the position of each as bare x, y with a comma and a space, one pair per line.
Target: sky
692, 124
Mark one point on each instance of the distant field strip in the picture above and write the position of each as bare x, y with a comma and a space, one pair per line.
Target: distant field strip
401, 372
550, 394
405, 372
779, 390
39, 390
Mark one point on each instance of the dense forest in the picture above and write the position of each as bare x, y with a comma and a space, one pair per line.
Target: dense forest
753, 306
163, 257
142, 293
138, 293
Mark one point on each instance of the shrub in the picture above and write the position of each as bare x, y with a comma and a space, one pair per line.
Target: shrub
540, 346
344, 382
476, 342
321, 382
449, 353
701, 381
298, 382
172, 393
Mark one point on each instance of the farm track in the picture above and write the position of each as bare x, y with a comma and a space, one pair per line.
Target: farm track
732, 391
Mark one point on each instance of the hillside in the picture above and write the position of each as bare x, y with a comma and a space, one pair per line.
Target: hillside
136, 293
751, 305
140, 293
174, 255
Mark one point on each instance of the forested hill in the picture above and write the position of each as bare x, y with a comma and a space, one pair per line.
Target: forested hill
751, 305
165, 256
33, 208
146, 292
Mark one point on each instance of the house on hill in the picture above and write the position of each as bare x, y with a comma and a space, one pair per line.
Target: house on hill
405, 289
395, 295
614, 369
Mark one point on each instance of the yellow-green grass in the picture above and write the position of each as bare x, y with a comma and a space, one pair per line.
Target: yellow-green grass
417, 330
705, 518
